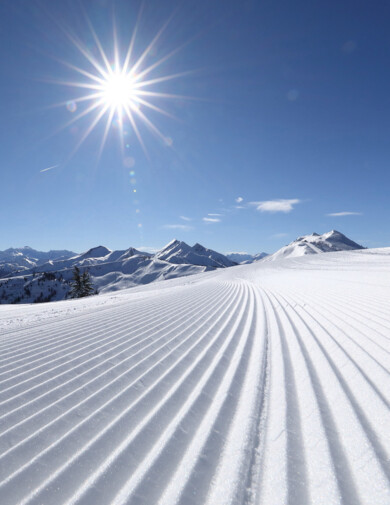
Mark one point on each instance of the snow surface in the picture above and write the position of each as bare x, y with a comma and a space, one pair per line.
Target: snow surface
262, 384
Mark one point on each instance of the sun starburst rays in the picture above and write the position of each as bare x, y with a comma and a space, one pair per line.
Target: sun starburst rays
118, 89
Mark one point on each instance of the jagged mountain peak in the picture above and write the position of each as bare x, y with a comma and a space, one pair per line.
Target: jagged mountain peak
179, 252
96, 252
199, 247
173, 243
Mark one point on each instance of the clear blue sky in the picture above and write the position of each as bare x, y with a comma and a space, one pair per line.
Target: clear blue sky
292, 112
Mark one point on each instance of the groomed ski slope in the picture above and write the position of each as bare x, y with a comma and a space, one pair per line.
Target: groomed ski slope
262, 384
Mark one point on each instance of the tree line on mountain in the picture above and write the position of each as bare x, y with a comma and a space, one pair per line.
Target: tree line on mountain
12, 291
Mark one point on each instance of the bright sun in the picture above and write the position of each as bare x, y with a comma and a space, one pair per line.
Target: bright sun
118, 91
123, 89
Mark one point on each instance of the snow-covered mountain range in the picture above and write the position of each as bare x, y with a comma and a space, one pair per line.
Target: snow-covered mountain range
180, 252
34, 280
245, 258
331, 241
23, 258
28, 276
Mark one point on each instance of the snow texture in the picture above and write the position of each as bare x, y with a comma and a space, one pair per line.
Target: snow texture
262, 384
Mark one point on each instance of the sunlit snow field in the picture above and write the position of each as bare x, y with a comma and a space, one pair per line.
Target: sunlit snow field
261, 384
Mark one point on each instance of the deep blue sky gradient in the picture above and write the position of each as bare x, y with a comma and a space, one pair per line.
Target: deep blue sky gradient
293, 103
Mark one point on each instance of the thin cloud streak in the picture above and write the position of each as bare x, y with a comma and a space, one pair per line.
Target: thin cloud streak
211, 220
185, 218
346, 213
49, 168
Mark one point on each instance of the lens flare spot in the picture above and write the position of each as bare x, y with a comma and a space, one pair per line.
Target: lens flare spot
71, 106
129, 162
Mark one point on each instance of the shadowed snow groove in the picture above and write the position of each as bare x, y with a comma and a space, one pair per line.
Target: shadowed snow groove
297, 490
340, 463
82, 424
263, 384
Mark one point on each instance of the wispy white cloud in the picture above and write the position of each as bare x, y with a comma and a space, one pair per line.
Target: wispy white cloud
216, 215
211, 220
185, 218
49, 168
276, 205
345, 213
239, 199
182, 227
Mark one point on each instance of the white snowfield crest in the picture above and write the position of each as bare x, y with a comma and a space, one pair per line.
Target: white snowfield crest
261, 384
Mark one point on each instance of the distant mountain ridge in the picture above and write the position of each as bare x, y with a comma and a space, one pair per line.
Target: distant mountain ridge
179, 252
31, 253
110, 270
331, 241
245, 258
24, 258
27, 275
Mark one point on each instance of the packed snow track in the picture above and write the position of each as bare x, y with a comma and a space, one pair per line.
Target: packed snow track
262, 384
